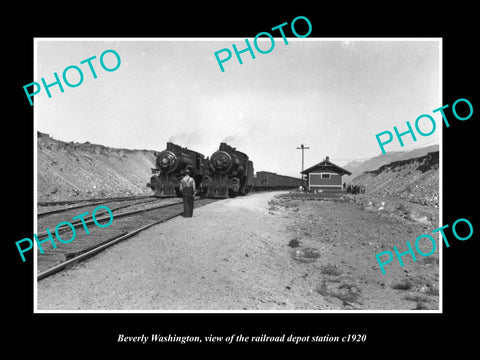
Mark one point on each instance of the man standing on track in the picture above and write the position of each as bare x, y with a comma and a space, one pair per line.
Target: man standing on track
187, 188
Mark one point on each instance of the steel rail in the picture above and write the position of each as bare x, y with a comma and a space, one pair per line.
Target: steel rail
96, 249
45, 213
97, 203
68, 202
79, 223
85, 253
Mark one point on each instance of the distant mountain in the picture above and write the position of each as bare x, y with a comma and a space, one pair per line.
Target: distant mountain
357, 167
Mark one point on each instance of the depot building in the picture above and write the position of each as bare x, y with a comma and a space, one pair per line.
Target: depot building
325, 176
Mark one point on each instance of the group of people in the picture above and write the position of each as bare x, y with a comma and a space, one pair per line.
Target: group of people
355, 189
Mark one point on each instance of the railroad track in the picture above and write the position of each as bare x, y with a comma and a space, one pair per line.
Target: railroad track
50, 219
79, 201
66, 205
125, 224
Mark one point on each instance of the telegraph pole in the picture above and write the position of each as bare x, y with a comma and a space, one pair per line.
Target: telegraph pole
303, 148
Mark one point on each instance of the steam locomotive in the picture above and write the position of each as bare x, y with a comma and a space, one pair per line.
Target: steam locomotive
227, 173
231, 173
170, 168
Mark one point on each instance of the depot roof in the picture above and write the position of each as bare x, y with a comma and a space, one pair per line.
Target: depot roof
326, 166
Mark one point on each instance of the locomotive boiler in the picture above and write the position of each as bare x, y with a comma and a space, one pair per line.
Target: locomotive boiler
231, 173
170, 168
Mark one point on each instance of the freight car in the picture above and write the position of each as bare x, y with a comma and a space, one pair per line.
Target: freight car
231, 173
170, 168
266, 180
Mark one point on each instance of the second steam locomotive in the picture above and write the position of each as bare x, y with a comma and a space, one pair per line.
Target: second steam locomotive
227, 173
231, 173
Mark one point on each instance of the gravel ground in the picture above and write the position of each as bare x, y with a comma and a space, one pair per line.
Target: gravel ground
231, 255
253, 253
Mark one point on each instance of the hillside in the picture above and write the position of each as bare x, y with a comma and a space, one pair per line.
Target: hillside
357, 168
79, 171
415, 179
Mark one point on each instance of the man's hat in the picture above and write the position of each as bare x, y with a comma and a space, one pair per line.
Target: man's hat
187, 171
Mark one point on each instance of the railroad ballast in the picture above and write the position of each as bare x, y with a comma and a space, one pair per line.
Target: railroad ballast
64, 225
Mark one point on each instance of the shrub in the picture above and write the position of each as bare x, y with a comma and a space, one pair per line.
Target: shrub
294, 243
404, 285
330, 269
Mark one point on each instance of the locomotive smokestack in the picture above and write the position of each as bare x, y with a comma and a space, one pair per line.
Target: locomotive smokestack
327, 158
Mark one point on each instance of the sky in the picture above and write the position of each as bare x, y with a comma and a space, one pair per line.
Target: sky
332, 95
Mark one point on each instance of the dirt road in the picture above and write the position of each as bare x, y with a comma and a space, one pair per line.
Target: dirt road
254, 253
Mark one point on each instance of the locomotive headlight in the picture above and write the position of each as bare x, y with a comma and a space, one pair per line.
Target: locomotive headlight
221, 161
167, 161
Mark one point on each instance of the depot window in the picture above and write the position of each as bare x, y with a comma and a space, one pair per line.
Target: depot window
325, 176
